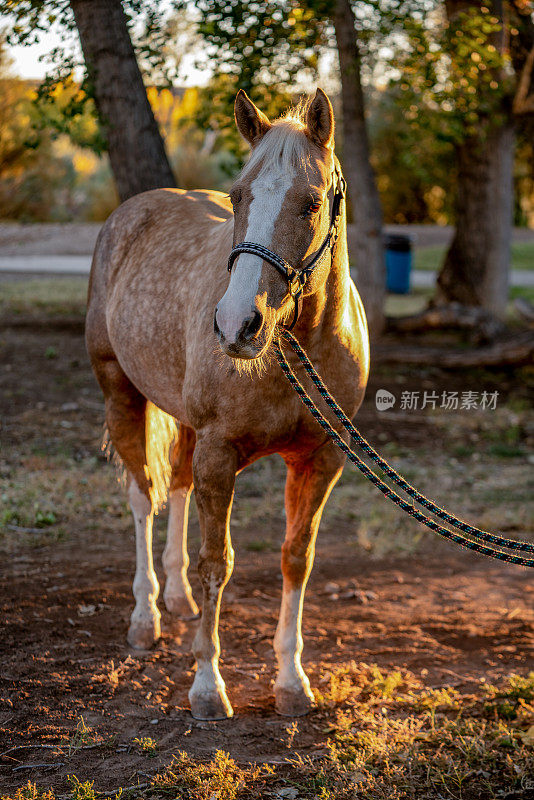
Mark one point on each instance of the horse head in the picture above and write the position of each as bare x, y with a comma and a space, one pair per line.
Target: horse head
282, 204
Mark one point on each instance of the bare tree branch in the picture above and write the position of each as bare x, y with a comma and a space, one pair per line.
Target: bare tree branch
523, 102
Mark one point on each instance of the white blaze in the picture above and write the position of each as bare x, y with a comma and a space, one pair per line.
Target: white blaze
268, 194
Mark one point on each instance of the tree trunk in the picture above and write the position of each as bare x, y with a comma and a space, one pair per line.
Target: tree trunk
476, 267
475, 271
135, 147
367, 212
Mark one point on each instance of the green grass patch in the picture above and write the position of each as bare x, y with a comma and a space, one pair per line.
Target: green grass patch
431, 258
523, 292
523, 255
63, 297
400, 305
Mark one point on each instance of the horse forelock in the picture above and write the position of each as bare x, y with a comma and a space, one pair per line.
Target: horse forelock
284, 147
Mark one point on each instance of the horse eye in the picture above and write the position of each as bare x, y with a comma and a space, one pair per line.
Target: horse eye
314, 207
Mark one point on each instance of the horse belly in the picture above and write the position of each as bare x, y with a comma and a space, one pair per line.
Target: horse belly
151, 352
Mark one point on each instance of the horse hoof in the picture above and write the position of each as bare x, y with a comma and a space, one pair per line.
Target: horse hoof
212, 706
293, 702
181, 606
143, 637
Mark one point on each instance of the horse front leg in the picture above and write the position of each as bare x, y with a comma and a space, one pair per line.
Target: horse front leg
308, 484
214, 470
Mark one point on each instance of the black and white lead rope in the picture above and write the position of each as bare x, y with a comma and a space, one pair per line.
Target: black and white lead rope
386, 490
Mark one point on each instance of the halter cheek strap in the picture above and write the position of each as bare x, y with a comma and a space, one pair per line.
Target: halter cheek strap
296, 280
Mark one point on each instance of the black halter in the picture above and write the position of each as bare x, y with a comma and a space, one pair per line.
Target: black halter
296, 280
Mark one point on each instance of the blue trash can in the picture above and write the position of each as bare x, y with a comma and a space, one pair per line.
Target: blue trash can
398, 262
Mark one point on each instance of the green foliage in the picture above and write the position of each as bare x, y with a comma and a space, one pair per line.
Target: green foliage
429, 83
452, 74
414, 163
43, 176
29, 20
82, 737
150, 29
43, 519
264, 44
260, 47
64, 106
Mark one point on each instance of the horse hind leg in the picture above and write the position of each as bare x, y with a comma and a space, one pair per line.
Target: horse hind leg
178, 595
128, 422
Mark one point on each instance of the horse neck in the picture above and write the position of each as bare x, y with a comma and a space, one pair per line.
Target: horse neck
323, 310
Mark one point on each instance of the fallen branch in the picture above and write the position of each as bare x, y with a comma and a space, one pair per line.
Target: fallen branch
523, 103
451, 315
29, 747
524, 309
516, 351
46, 746
20, 529
39, 766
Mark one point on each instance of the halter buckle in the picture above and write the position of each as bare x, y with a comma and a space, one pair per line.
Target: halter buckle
295, 285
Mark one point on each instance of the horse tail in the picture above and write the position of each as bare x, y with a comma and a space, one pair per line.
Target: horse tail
161, 431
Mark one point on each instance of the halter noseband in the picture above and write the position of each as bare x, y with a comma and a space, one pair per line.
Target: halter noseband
296, 281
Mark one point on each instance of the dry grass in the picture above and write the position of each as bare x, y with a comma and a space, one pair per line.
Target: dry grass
388, 736
44, 296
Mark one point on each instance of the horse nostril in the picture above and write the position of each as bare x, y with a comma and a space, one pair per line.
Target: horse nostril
251, 327
215, 325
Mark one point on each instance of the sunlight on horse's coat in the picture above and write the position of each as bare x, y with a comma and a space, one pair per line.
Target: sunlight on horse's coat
159, 271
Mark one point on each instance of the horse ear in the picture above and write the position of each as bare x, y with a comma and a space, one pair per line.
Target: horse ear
320, 120
251, 123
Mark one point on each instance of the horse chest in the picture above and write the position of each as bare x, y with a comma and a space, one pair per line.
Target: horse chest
262, 414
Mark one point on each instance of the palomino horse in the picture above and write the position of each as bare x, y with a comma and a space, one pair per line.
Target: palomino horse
161, 310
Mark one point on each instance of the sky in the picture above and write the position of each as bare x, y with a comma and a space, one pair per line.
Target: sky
27, 64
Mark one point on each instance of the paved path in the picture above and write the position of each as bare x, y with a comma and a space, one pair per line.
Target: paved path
47, 265
79, 238
80, 265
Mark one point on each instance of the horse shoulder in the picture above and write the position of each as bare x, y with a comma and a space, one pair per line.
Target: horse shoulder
347, 354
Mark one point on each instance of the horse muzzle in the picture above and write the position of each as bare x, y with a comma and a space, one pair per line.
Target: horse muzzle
240, 341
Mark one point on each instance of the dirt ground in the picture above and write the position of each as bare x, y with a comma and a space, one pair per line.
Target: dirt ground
448, 616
